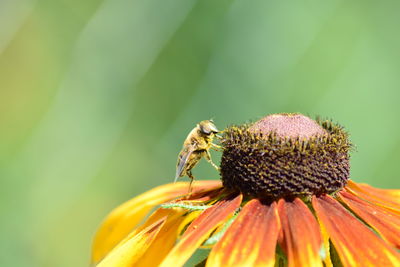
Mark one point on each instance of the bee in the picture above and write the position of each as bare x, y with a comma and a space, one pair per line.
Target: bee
197, 145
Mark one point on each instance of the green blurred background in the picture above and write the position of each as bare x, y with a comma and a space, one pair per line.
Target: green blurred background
97, 96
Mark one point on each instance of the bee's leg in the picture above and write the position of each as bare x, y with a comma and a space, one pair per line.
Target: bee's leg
189, 173
218, 135
216, 147
208, 158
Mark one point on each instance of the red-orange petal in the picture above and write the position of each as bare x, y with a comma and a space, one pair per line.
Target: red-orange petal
385, 222
133, 247
120, 222
301, 234
383, 197
355, 243
250, 240
200, 229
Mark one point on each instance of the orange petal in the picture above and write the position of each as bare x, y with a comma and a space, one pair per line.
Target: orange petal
301, 233
120, 222
200, 229
386, 223
250, 240
355, 243
386, 198
387, 194
133, 247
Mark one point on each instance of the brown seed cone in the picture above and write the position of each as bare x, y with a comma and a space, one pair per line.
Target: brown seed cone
285, 155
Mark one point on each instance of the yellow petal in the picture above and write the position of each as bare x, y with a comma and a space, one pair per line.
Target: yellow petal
325, 238
166, 239
130, 251
120, 222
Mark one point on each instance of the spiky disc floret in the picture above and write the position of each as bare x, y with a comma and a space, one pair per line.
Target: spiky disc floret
291, 158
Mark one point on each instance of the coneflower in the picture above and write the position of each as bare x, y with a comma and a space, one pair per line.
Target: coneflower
285, 200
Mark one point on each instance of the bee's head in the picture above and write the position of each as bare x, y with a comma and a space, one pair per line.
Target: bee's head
208, 127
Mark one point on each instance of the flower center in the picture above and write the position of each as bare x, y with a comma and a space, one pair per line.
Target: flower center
285, 155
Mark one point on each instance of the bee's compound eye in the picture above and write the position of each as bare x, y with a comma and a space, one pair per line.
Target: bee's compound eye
213, 128
205, 130
207, 127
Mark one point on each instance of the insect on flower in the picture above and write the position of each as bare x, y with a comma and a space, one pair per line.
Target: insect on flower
284, 199
196, 145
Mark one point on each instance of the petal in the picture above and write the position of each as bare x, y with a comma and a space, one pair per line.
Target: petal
301, 233
387, 194
159, 214
381, 197
202, 196
166, 239
250, 240
133, 247
386, 223
355, 243
200, 229
120, 222
327, 247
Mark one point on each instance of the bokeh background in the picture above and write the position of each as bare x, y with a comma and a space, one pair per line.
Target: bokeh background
97, 96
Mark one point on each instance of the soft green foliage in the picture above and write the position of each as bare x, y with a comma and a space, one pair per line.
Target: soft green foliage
97, 96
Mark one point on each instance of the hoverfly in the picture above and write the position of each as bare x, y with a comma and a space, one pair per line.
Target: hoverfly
197, 145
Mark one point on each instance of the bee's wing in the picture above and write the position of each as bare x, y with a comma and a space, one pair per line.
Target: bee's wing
183, 158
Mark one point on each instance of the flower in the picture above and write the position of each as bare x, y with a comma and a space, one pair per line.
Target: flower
285, 200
